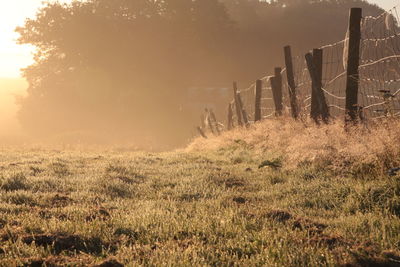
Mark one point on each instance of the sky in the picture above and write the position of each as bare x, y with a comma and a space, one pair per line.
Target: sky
13, 13
385, 4
13, 57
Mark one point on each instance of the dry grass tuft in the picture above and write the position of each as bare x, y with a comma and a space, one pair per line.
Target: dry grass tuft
361, 149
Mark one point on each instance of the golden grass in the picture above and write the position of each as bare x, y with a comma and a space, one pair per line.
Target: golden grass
299, 142
303, 196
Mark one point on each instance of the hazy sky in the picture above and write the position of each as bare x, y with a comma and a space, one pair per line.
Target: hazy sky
12, 14
13, 57
386, 4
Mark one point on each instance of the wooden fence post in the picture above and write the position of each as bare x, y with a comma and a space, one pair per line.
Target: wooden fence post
230, 117
244, 113
291, 82
319, 108
257, 107
353, 62
203, 121
316, 84
209, 122
276, 85
237, 104
318, 64
201, 132
214, 120
324, 109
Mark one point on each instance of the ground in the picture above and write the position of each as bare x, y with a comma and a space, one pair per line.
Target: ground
218, 208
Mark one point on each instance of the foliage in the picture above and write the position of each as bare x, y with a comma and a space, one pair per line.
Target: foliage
124, 67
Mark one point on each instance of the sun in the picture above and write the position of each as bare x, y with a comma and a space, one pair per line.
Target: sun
14, 57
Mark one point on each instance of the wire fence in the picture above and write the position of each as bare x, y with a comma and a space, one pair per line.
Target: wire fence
378, 79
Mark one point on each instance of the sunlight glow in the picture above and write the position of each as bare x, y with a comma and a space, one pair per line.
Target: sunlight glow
13, 57
385, 4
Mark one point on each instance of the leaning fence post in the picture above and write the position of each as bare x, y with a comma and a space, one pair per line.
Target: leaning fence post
291, 82
353, 62
214, 120
276, 85
322, 106
237, 104
318, 62
244, 113
230, 117
203, 121
257, 107
209, 122
201, 132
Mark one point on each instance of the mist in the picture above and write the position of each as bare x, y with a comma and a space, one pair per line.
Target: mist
10, 89
141, 72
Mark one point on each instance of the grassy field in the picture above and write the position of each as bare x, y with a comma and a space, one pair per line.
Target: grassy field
236, 200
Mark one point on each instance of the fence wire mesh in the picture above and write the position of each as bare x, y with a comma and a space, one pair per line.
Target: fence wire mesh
379, 74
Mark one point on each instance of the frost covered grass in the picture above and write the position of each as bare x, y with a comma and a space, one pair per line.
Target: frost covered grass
306, 196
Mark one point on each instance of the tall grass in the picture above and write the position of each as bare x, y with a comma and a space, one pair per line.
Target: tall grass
374, 148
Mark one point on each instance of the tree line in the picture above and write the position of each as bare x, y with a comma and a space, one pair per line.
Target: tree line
123, 67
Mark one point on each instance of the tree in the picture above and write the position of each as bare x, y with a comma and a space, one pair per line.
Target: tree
123, 67
118, 64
